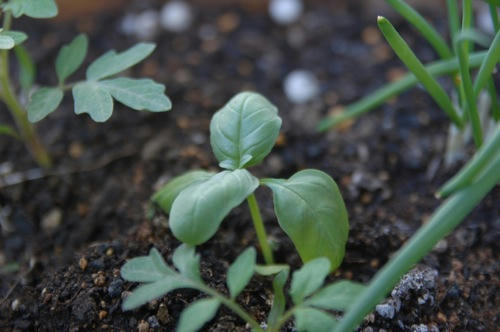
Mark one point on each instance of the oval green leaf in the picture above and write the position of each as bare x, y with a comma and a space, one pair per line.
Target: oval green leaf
311, 211
146, 268
337, 296
6, 42
197, 314
241, 271
18, 36
199, 209
244, 131
168, 193
43, 102
71, 56
309, 278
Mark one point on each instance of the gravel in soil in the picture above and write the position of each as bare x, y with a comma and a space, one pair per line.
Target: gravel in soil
70, 232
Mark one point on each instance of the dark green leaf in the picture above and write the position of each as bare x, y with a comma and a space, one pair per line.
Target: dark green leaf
241, 271
312, 213
313, 320
244, 131
112, 63
337, 296
168, 193
309, 279
92, 99
139, 94
197, 314
70, 57
43, 102
199, 209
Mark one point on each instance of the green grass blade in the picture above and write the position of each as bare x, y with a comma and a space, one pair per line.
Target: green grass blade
443, 221
378, 97
495, 105
469, 172
409, 58
488, 65
421, 24
494, 17
466, 21
453, 19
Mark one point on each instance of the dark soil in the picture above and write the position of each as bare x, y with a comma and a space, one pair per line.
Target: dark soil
71, 230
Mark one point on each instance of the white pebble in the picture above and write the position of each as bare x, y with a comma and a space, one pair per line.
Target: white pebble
301, 86
176, 16
144, 26
285, 11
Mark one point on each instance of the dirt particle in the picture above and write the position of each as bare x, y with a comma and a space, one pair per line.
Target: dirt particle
84, 308
110, 252
103, 314
143, 326
52, 220
162, 314
82, 263
115, 288
100, 279
15, 305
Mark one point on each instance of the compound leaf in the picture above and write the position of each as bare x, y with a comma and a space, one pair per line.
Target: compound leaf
244, 131
198, 210
313, 320
112, 63
197, 314
241, 271
337, 296
149, 268
71, 56
139, 94
309, 278
311, 211
43, 102
168, 193
92, 99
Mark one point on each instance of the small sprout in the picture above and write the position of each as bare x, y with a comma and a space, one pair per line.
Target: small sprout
310, 299
309, 206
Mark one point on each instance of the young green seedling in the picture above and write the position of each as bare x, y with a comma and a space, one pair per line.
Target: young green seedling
309, 206
311, 301
94, 95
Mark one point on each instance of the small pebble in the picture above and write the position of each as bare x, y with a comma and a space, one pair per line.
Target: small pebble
100, 280
83, 263
385, 310
15, 304
162, 314
285, 11
153, 322
301, 86
176, 16
115, 288
52, 220
103, 314
110, 252
143, 326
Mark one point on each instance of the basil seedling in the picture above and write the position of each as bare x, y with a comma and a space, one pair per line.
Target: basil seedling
309, 206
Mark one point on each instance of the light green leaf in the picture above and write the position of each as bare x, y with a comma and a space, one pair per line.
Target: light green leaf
279, 300
18, 36
112, 63
187, 262
309, 278
70, 57
43, 102
92, 99
27, 68
200, 208
32, 8
244, 131
6, 42
197, 314
168, 193
146, 268
139, 94
150, 291
313, 320
311, 211
337, 296
269, 270
241, 271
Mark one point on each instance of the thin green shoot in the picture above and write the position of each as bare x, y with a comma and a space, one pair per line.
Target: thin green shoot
495, 105
453, 19
488, 65
494, 17
260, 229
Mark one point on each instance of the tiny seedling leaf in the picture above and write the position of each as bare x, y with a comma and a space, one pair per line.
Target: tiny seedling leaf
167, 194
279, 300
27, 69
337, 296
18, 36
244, 131
149, 268
199, 209
32, 8
241, 271
197, 314
112, 63
311, 211
70, 57
92, 99
313, 320
6, 42
43, 102
187, 262
309, 279
269, 270
139, 94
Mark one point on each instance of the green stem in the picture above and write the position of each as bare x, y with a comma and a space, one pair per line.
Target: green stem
233, 306
260, 230
283, 319
377, 98
26, 129
494, 17
488, 65
495, 105
469, 172
443, 221
453, 18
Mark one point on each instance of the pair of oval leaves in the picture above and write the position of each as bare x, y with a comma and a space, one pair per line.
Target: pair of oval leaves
309, 205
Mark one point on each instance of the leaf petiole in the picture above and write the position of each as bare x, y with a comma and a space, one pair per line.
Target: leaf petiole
260, 229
